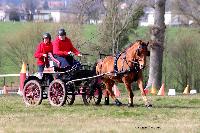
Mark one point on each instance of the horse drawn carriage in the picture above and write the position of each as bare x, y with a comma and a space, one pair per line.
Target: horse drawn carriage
61, 85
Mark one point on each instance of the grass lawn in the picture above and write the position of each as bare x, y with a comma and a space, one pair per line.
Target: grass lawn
169, 114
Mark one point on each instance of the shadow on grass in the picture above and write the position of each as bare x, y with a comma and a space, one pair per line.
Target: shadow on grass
136, 105
110, 105
176, 106
139, 106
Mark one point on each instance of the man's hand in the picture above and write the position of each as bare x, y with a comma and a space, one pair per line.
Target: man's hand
45, 55
79, 55
70, 52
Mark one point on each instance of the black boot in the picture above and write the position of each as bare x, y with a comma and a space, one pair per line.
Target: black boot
106, 102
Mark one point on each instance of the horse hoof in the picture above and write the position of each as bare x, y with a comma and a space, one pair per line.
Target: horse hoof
117, 102
106, 103
130, 105
149, 106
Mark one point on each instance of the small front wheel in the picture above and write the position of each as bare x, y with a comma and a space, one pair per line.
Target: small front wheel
32, 93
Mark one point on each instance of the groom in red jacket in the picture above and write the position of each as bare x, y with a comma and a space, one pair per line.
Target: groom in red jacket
62, 47
42, 51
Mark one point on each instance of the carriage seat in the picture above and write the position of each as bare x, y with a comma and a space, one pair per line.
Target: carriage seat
49, 70
54, 63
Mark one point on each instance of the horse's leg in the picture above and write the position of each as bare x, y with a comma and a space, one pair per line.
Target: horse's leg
106, 97
109, 86
130, 93
140, 85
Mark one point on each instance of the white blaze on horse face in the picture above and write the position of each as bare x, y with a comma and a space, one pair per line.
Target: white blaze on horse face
141, 63
142, 60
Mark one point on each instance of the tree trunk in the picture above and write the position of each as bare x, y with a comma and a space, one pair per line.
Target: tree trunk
157, 45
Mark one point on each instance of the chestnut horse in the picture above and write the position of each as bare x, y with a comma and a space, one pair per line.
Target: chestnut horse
130, 64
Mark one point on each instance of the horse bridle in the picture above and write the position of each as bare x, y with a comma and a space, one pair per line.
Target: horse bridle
140, 48
135, 62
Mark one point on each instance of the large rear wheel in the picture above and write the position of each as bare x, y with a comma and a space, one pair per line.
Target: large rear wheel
92, 94
32, 93
57, 93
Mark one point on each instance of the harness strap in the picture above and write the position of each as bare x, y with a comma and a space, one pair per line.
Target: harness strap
135, 63
115, 62
135, 67
124, 57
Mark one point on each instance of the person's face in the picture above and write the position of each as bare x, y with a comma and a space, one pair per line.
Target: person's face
46, 40
62, 37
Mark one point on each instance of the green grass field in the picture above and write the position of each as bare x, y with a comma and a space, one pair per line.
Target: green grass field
169, 114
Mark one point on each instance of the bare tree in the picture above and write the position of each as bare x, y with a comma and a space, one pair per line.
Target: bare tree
76, 35
86, 9
1, 60
157, 45
118, 24
45, 5
183, 59
29, 7
21, 47
188, 8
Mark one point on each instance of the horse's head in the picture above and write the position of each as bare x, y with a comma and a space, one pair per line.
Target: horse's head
141, 53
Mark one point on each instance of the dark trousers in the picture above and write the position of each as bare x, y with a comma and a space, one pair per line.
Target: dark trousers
63, 61
40, 68
68, 61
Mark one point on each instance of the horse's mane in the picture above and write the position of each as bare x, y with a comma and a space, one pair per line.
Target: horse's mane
126, 48
130, 45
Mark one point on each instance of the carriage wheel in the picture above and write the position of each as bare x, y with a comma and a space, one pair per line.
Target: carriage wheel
92, 94
57, 93
70, 88
32, 93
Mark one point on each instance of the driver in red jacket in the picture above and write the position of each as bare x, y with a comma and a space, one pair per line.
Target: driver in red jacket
62, 47
41, 52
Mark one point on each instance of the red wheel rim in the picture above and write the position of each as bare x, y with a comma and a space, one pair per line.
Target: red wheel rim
56, 92
94, 98
32, 93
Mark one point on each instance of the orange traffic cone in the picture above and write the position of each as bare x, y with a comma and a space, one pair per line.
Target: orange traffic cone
22, 78
116, 91
186, 90
5, 91
161, 92
153, 90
